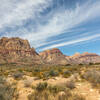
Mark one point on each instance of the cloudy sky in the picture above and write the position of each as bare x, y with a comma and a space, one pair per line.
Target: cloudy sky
70, 25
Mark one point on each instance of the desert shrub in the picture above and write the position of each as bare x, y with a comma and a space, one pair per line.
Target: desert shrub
60, 70
45, 75
61, 95
41, 86
53, 73
66, 74
74, 69
68, 65
70, 84
2, 80
91, 63
18, 75
56, 89
21, 70
92, 76
45, 95
7, 92
37, 70
81, 64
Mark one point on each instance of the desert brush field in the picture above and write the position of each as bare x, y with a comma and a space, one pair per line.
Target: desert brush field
45, 82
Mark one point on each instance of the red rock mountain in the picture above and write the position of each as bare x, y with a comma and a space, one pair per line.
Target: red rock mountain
17, 50
84, 58
53, 56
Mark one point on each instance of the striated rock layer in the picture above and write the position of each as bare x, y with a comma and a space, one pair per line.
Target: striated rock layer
17, 50
53, 56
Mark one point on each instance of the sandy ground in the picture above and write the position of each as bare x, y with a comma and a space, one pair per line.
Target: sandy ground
83, 88
87, 91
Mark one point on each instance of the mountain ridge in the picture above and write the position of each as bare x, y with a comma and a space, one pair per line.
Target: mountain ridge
17, 50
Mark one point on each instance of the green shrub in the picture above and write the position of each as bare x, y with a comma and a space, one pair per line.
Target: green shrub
66, 74
45, 95
18, 75
53, 73
37, 70
7, 92
93, 76
2, 80
55, 95
41, 86
46, 75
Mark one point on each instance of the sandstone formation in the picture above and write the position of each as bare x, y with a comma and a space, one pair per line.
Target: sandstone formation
53, 56
17, 50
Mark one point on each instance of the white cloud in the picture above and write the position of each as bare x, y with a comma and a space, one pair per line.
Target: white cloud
64, 20
15, 13
73, 42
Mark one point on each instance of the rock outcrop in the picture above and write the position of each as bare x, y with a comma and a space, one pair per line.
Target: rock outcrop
17, 50
53, 56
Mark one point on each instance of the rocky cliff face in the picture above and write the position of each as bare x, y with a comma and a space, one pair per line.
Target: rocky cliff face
53, 56
17, 50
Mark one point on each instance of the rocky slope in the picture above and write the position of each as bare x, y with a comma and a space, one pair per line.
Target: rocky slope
53, 56
17, 50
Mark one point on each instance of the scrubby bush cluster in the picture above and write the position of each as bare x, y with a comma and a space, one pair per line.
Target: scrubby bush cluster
41, 71
93, 76
43, 91
7, 92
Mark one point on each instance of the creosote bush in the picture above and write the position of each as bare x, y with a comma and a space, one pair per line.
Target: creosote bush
41, 86
18, 75
66, 74
70, 84
53, 73
93, 76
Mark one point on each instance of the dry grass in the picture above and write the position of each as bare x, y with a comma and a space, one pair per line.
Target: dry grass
43, 91
7, 91
93, 76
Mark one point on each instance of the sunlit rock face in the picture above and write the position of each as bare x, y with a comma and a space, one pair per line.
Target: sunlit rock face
53, 56
17, 50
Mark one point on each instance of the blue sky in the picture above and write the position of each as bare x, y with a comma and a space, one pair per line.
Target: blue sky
70, 25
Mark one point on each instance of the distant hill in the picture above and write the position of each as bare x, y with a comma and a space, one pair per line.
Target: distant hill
85, 58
